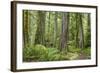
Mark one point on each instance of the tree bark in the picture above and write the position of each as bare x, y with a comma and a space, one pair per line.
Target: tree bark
64, 33
88, 33
81, 33
77, 30
39, 39
55, 29
26, 28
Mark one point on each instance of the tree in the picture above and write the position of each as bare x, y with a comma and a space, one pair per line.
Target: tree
81, 32
64, 33
77, 31
39, 39
88, 33
55, 29
26, 28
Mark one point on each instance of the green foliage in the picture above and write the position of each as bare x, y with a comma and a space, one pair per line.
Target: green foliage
74, 50
72, 56
87, 52
35, 52
69, 56
46, 37
27, 53
39, 49
41, 53
53, 54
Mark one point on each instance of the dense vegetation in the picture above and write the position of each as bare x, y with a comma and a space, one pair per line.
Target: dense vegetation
55, 36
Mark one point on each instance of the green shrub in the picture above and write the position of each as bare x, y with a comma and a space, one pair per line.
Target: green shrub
41, 53
53, 54
64, 57
73, 49
27, 53
39, 50
34, 53
69, 56
72, 56
87, 52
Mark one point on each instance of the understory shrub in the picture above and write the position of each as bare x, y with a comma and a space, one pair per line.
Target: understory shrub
34, 53
53, 54
72, 56
42, 53
87, 52
74, 50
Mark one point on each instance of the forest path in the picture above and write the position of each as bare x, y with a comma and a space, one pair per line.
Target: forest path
82, 56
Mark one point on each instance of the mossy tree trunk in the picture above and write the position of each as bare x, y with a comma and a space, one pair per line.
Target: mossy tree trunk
64, 33
81, 32
40, 28
26, 28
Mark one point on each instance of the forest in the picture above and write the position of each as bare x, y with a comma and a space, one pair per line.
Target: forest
56, 36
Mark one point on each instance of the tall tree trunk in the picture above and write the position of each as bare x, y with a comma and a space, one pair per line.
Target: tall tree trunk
77, 30
48, 40
64, 34
49, 23
88, 33
89, 30
67, 32
55, 29
39, 39
81, 33
26, 28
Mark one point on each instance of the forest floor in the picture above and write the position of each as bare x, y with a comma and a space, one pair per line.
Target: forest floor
42, 53
82, 56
